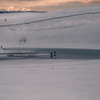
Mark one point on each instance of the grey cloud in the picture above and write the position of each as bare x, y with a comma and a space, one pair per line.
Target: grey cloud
93, 2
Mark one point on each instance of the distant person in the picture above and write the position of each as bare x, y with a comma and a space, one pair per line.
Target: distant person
54, 53
51, 55
2, 48
5, 20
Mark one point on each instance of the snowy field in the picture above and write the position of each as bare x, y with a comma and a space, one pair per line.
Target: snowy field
27, 70
50, 79
72, 28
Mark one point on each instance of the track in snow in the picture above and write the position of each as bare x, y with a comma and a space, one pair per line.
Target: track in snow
51, 19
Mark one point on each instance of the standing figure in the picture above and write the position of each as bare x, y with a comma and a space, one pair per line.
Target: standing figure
51, 55
54, 53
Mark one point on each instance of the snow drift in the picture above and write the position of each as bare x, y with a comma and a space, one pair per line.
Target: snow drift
72, 28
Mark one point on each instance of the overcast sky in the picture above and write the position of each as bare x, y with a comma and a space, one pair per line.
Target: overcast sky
48, 5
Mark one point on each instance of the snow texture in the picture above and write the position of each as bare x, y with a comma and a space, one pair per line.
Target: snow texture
73, 74
50, 79
73, 28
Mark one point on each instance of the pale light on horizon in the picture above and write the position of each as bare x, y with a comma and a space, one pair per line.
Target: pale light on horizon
45, 5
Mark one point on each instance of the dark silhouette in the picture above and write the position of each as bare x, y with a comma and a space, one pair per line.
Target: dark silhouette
51, 55
54, 53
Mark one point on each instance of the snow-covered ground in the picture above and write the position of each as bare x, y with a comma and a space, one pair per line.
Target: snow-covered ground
50, 79
73, 28
73, 74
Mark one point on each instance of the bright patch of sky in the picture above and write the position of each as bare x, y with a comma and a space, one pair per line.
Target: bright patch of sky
47, 5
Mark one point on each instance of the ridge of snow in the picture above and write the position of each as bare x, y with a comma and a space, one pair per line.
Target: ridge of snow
72, 28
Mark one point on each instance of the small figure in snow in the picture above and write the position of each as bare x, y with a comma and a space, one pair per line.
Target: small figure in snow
51, 55
5, 20
54, 53
2, 48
